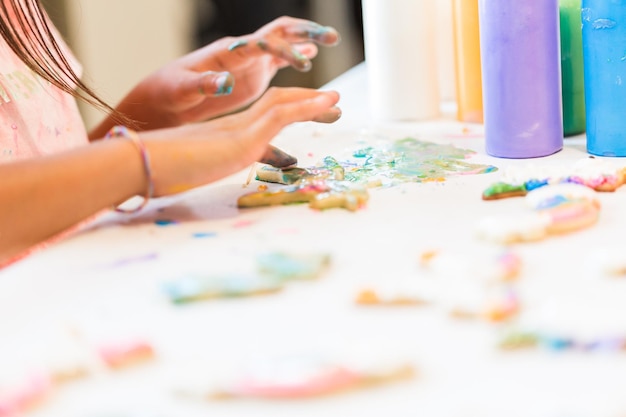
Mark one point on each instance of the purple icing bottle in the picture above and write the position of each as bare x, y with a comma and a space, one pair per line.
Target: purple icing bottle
520, 57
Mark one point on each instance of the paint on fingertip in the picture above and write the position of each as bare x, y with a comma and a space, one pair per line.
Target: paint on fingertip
224, 84
263, 45
303, 63
238, 44
325, 35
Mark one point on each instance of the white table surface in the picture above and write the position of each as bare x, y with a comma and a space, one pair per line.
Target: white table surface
460, 372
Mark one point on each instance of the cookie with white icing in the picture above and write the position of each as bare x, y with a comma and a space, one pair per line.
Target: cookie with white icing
559, 208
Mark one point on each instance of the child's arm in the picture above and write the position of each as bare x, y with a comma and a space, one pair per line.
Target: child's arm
222, 77
43, 196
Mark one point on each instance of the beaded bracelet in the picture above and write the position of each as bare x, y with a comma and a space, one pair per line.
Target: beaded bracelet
126, 133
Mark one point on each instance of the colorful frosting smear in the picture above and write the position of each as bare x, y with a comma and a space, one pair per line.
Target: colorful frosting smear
344, 183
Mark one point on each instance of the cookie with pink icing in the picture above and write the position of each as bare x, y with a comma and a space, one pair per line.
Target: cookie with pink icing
299, 377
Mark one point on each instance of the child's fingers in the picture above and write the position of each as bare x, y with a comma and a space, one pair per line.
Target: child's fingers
195, 87
276, 96
301, 109
311, 31
330, 116
212, 83
275, 46
296, 30
278, 158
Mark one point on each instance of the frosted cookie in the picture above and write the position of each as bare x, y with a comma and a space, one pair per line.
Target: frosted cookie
330, 170
284, 266
519, 339
503, 190
593, 173
20, 396
494, 304
569, 206
301, 377
557, 209
281, 176
507, 229
203, 287
572, 216
490, 267
351, 200
380, 297
126, 353
72, 363
477, 285
319, 195
554, 195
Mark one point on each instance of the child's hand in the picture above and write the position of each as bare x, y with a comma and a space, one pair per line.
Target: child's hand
199, 153
226, 75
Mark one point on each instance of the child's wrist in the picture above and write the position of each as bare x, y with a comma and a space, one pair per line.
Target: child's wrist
125, 133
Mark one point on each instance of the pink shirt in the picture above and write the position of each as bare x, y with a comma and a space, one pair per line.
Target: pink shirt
36, 118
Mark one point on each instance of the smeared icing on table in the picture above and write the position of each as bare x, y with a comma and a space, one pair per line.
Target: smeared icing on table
344, 183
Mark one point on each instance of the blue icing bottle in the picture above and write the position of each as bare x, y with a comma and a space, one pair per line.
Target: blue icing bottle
604, 55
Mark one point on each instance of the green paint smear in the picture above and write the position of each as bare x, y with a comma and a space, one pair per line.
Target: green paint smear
412, 160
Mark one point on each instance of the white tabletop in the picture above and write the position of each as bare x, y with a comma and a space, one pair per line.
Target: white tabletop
105, 282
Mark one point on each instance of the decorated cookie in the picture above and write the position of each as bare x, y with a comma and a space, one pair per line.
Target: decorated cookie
385, 297
488, 267
271, 272
301, 377
285, 266
523, 340
503, 190
196, 287
126, 353
281, 176
554, 195
319, 195
556, 209
20, 396
593, 173
507, 229
71, 364
495, 304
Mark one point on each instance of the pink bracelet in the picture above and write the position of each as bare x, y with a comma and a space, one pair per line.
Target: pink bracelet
126, 133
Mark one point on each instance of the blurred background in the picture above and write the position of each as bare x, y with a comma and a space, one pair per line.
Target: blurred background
119, 42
